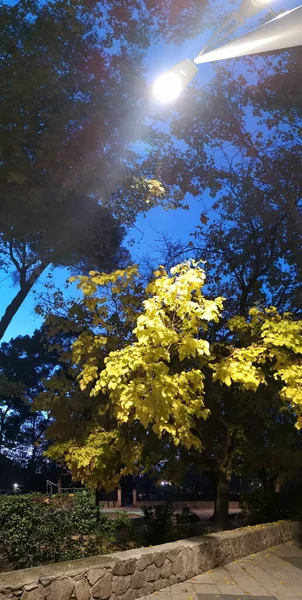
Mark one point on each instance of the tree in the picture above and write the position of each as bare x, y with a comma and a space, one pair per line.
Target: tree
11, 401
248, 236
237, 121
248, 248
173, 376
72, 86
272, 448
25, 362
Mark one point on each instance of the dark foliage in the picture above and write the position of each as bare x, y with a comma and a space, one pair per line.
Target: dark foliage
34, 531
266, 507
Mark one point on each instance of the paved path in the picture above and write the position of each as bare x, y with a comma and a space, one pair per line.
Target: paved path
272, 574
203, 513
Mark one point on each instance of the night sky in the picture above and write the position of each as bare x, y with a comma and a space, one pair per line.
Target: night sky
176, 224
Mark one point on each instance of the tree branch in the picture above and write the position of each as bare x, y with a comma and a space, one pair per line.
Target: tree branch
15, 304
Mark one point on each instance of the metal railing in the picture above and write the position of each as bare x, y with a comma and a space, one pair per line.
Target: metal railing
54, 488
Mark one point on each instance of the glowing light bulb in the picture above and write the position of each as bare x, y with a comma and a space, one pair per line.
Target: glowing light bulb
167, 87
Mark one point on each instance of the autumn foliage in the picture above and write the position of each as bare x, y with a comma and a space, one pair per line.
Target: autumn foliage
155, 376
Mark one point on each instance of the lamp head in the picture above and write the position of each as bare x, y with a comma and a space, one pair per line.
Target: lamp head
170, 85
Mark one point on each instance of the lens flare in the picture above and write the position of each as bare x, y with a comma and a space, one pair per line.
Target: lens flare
167, 87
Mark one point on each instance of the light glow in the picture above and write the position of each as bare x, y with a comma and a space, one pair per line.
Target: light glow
167, 87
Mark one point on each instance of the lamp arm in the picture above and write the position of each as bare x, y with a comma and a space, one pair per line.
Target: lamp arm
282, 32
247, 9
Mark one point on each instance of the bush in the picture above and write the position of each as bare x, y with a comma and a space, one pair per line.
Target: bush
158, 523
186, 516
163, 523
266, 507
34, 531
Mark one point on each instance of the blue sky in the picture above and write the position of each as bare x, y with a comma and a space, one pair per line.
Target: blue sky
177, 224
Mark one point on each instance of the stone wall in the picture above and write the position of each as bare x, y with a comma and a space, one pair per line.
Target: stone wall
135, 573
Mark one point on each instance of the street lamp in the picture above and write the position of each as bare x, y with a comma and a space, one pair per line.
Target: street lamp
283, 31
170, 85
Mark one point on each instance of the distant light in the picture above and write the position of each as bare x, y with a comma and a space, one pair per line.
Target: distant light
15, 486
165, 483
167, 87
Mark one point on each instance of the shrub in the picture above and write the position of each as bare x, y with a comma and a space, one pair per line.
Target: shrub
186, 516
158, 523
266, 507
35, 532
163, 523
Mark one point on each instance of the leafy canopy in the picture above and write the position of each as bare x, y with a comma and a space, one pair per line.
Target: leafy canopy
155, 376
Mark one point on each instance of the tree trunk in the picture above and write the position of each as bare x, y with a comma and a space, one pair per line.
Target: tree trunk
213, 517
222, 501
19, 298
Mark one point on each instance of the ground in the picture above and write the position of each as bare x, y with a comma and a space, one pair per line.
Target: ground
203, 513
274, 574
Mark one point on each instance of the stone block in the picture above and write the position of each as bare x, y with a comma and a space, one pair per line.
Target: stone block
120, 584
31, 586
173, 554
144, 561
166, 569
36, 594
60, 589
178, 566
206, 557
124, 567
47, 580
129, 595
152, 573
159, 559
149, 588
138, 580
103, 588
95, 574
82, 590
162, 583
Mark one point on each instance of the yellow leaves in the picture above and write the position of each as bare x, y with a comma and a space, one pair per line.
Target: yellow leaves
116, 282
96, 460
154, 373
287, 333
221, 373
187, 348
238, 324
239, 368
139, 377
149, 191
155, 187
211, 309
